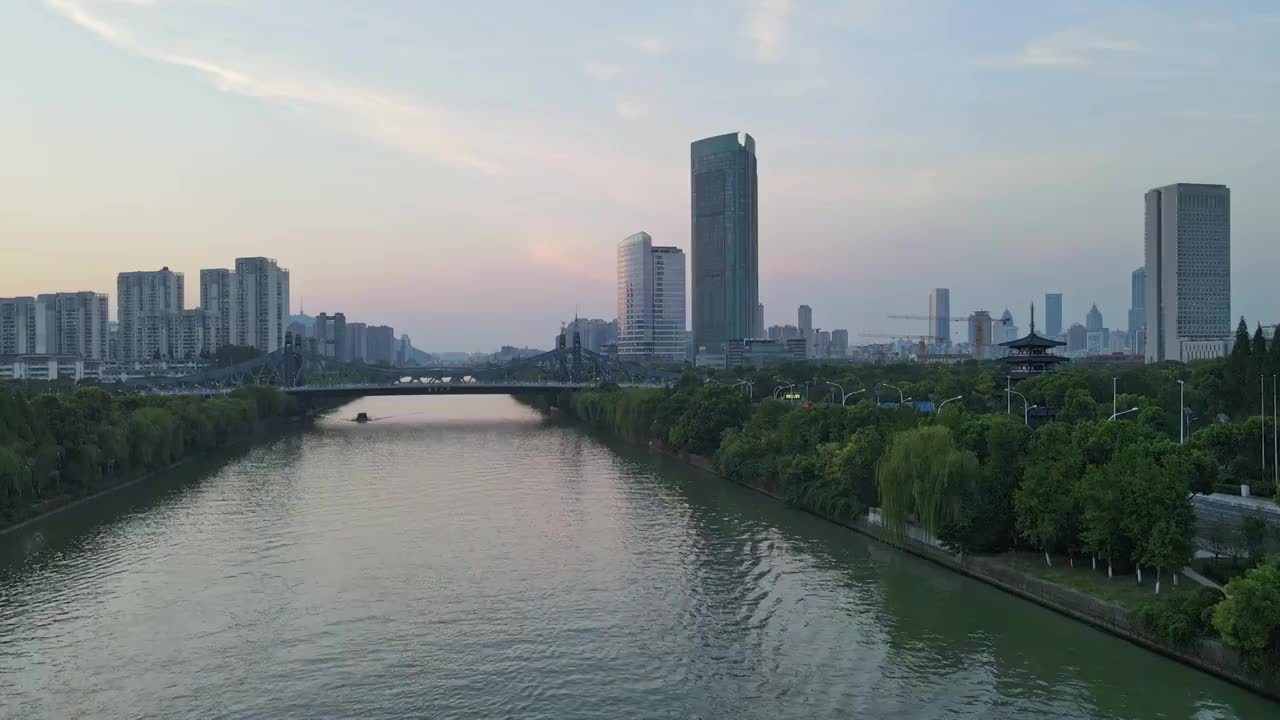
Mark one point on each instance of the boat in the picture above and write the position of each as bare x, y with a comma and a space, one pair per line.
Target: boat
362, 417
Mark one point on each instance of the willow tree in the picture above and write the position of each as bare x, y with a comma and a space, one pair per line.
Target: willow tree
923, 476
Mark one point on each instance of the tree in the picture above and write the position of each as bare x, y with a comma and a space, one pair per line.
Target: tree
1102, 495
1078, 406
923, 475
1249, 618
1045, 503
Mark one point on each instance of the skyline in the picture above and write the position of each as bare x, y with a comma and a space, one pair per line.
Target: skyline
1004, 156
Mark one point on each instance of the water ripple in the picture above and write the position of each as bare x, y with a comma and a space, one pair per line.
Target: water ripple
477, 562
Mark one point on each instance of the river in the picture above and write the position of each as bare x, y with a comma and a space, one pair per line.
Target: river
463, 558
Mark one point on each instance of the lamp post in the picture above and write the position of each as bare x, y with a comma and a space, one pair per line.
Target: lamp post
895, 387
1122, 413
839, 387
1026, 410
1113, 397
750, 388
944, 402
1182, 413
778, 390
845, 398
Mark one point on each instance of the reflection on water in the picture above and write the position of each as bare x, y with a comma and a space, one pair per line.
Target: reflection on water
466, 559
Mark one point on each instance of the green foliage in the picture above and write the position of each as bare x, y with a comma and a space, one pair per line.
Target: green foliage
1180, 617
65, 445
925, 476
1249, 618
1046, 504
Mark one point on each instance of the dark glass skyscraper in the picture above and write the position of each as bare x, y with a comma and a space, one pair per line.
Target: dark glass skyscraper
1052, 315
724, 240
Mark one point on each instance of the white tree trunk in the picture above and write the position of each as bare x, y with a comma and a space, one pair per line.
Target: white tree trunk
1095, 562
1109, 573
1047, 561
1071, 559
1139, 574
1175, 579
1158, 569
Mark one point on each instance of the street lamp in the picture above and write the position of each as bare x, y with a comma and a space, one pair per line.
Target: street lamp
778, 390
846, 397
837, 386
750, 388
895, 387
1026, 409
1122, 413
1182, 413
1113, 398
944, 402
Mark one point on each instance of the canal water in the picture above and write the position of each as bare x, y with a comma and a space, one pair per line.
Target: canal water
463, 558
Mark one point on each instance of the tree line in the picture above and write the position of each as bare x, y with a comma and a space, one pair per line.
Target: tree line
59, 446
1108, 495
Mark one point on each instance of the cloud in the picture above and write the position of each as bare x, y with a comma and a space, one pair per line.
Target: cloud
1073, 49
766, 28
650, 44
601, 71
630, 109
393, 120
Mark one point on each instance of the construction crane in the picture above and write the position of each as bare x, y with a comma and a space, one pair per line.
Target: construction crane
922, 348
980, 339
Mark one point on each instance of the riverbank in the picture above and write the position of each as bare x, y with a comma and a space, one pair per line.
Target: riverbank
56, 505
1205, 654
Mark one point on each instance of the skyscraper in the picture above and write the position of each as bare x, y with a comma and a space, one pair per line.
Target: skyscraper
1188, 271
147, 303
1093, 320
651, 300
262, 298
758, 330
805, 320
1138, 301
724, 239
1052, 315
217, 298
940, 315
17, 326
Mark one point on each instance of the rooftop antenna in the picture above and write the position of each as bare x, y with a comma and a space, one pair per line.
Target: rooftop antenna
1033, 317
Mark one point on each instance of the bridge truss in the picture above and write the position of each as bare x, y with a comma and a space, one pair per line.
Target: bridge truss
292, 367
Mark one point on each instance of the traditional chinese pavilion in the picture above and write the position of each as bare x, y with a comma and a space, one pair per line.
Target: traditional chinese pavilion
1031, 355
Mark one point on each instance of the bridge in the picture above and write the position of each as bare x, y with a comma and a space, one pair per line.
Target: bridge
308, 375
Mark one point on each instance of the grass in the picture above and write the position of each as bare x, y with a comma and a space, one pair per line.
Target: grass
1122, 590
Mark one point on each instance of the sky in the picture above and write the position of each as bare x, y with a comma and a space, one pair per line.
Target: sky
464, 171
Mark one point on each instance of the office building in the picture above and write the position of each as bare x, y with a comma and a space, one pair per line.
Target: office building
651, 301
982, 339
839, 343
724, 240
1093, 320
940, 316
262, 298
806, 321
1077, 338
146, 303
331, 336
1138, 301
757, 330
1052, 315
380, 345
217, 298
1187, 282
